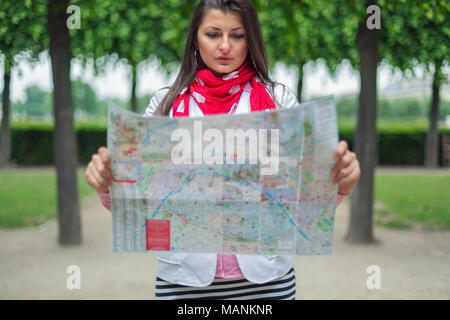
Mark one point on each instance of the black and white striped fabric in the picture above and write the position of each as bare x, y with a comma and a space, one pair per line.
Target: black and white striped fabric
230, 289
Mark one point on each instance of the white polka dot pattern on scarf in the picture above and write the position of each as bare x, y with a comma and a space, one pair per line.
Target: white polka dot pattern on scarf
233, 107
181, 106
199, 97
200, 81
235, 89
231, 75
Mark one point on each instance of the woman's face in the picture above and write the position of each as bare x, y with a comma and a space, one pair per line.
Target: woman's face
222, 41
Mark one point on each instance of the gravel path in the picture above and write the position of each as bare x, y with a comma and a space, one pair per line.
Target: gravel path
413, 264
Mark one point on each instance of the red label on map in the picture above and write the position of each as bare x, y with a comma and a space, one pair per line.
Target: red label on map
158, 235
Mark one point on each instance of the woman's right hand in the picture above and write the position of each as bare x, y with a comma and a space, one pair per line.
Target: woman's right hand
97, 174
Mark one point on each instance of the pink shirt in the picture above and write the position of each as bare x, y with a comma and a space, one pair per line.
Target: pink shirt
227, 264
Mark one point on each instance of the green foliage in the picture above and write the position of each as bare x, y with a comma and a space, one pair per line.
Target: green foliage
397, 146
143, 102
400, 109
307, 30
37, 103
33, 143
135, 32
131, 31
22, 31
416, 32
84, 97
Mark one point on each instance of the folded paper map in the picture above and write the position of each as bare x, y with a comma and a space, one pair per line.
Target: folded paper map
256, 183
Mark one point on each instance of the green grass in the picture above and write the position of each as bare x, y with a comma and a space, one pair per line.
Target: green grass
412, 200
28, 196
99, 124
349, 124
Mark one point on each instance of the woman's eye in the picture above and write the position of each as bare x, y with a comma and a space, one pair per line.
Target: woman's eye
236, 36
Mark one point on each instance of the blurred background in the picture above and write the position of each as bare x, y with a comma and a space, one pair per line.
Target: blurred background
386, 62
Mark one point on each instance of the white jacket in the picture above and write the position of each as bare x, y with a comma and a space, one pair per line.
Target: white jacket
199, 269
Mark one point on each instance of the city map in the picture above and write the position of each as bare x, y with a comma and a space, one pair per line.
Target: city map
255, 183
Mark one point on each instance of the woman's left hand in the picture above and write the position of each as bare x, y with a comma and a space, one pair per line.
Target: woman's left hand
346, 171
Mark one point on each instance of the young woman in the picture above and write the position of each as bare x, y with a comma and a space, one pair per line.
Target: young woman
224, 70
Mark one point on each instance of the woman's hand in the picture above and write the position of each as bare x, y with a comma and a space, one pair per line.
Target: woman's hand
97, 174
346, 172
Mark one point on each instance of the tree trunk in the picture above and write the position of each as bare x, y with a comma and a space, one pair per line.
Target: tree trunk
432, 142
300, 82
64, 138
5, 138
360, 228
133, 90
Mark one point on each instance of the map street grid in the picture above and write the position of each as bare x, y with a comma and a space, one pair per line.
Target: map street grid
254, 198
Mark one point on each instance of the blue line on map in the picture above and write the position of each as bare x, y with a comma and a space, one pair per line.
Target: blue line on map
238, 181
147, 137
287, 215
147, 176
163, 125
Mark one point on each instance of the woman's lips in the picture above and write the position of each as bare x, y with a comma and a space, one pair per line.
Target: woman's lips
223, 59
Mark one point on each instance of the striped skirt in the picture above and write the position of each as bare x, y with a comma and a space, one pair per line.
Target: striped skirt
233, 289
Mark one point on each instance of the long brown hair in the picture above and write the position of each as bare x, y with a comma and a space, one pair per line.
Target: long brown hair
256, 49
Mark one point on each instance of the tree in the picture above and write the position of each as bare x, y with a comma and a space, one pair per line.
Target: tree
367, 41
5, 138
64, 134
22, 38
36, 102
398, 45
432, 139
132, 32
84, 97
302, 31
306, 31
419, 34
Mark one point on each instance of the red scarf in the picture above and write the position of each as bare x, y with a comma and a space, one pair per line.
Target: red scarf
221, 95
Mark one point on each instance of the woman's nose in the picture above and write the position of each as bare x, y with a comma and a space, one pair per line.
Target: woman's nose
225, 44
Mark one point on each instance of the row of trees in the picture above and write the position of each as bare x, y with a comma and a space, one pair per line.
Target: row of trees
38, 104
296, 32
393, 109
